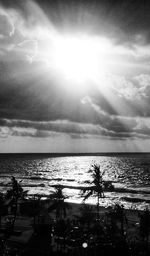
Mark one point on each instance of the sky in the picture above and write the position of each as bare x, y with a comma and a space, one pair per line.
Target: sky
74, 76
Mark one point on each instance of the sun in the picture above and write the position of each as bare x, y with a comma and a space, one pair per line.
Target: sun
78, 58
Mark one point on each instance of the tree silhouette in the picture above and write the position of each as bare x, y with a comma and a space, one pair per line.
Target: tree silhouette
14, 194
60, 206
86, 215
119, 214
58, 202
98, 185
145, 224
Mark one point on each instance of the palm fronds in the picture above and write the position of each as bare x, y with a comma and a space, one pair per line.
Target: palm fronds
97, 187
58, 202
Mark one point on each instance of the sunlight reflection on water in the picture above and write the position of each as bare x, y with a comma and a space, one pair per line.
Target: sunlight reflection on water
39, 174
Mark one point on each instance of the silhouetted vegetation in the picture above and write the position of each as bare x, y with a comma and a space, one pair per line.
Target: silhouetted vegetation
145, 224
58, 203
80, 234
97, 187
13, 195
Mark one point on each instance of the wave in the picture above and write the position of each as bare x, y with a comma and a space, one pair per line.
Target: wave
131, 190
135, 199
117, 190
2, 184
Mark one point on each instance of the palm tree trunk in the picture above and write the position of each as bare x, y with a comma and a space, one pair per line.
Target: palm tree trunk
15, 215
122, 226
98, 206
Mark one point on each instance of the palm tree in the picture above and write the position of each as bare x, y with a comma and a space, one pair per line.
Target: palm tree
14, 194
119, 214
97, 187
86, 215
58, 202
145, 224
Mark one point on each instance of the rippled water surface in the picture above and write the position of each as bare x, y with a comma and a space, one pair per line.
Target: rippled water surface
129, 173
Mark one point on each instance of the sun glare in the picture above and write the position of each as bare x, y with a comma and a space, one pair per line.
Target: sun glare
79, 58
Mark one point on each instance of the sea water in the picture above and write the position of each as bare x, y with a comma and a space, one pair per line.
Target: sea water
38, 173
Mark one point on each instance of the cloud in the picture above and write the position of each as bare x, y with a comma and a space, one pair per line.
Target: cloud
144, 84
114, 122
4, 131
6, 25
32, 132
143, 126
129, 96
63, 126
126, 22
29, 49
20, 26
32, 100
37, 21
143, 79
74, 130
60, 126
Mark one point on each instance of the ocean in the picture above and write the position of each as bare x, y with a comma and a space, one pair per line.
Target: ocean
38, 173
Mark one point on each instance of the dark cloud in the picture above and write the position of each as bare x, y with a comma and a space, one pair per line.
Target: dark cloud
32, 97
19, 5
128, 19
72, 129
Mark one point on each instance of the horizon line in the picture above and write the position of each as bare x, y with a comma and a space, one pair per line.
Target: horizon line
72, 153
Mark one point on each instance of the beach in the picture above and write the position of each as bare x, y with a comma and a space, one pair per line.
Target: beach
42, 225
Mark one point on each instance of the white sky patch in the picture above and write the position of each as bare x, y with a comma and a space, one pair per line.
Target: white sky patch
20, 131
130, 88
88, 100
143, 123
142, 52
4, 131
130, 93
143, 79
29, 48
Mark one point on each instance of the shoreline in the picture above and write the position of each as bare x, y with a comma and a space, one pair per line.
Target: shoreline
73, 212
75, 206
130, 201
